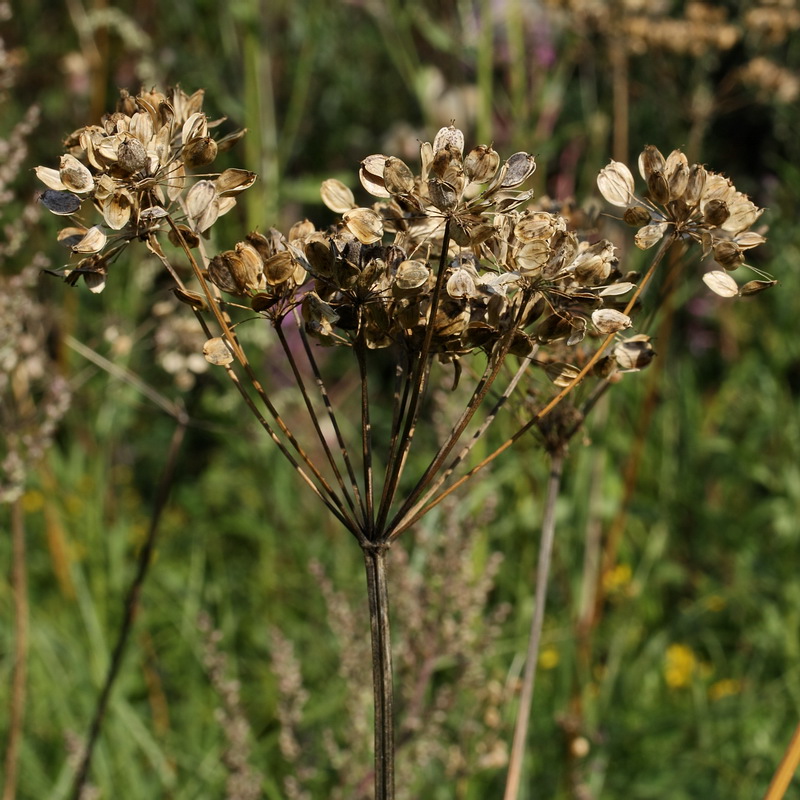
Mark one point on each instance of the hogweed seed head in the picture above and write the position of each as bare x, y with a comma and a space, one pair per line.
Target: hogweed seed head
686, 202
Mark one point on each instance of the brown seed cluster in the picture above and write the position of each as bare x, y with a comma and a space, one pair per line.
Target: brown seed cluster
133, 168
689, 202
449, 254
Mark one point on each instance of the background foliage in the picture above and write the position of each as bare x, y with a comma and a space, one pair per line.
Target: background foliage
687, 683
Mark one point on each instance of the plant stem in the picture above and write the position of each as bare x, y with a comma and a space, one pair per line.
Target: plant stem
786, 769
378, 596
542, 574
20, 666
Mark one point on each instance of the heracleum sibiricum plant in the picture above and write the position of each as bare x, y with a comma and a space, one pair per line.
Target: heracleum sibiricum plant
452, 267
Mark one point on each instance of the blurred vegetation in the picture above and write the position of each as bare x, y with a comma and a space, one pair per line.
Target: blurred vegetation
687, 682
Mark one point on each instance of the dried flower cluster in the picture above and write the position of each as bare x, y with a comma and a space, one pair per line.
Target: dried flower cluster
134, 169
513, 278
688, 202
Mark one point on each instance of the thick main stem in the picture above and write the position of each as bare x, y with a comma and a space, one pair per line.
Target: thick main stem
378, 595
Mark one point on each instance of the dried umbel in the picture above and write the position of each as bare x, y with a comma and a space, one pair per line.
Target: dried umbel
134, 169
687, 202
446, 256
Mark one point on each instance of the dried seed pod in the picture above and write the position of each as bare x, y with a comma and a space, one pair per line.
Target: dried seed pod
371, 175
218, 351
301, 230
650, 235
728, 254
636, 216
253, 265
266, 245
61, 203
336, 196
521, 344
481, 163
658, 187
191, 239
554, 327
443, 195
117, 209
634, 353
131, 155
93, 241
755, 287
449, 136
447, 163
397, 177
75, 176
193, 299
721, 283
202, 205
520, 167
199, 152
593, 265
695, 185
320, 257
279, 268
607, 320
410, 278
677, 174
561, 374
51, 178
651, 161
227, 272
537, 225
68, 237
318, 315
461, 284
232, 181
716, 212
615, 183
531, 258
364, 224
749, 239
452, 318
